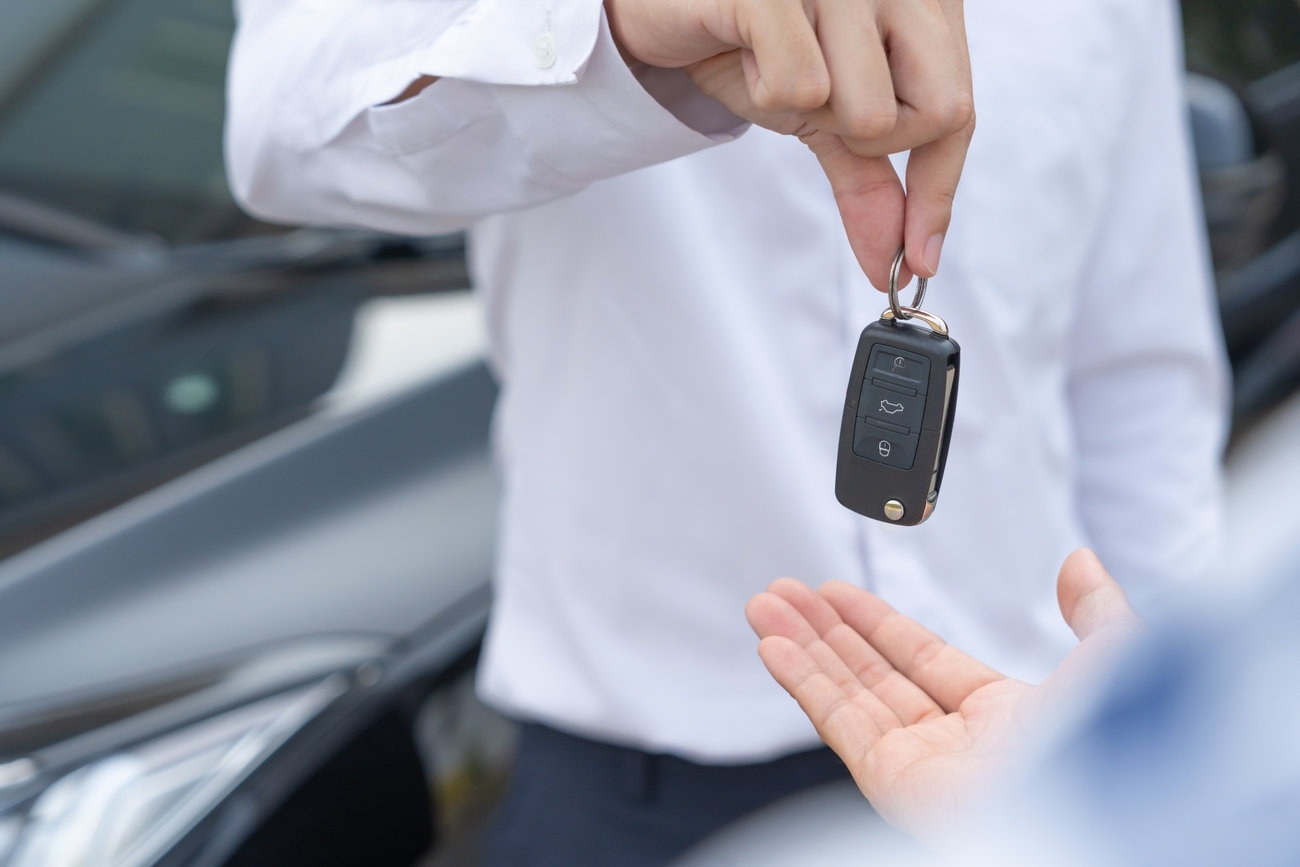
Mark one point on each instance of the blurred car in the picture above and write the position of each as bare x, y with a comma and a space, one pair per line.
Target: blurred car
245, 496
1245, 99
246, 505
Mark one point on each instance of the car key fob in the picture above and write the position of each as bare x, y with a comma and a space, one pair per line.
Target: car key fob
898, 415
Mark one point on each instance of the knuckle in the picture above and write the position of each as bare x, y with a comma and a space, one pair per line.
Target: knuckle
872, 124
803, 94
765, 100
943, 197
805, 132
809, 95
958, 113
963, 112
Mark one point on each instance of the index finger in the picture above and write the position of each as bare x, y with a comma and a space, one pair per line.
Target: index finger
871, 203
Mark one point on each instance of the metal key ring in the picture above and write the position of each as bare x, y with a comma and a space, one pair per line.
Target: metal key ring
898, 310
936, 323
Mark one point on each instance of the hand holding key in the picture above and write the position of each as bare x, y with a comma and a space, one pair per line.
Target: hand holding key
856, 80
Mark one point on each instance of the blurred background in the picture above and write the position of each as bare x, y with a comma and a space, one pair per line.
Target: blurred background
246, 504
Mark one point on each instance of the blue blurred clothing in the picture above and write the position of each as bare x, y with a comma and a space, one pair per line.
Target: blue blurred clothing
1191, 757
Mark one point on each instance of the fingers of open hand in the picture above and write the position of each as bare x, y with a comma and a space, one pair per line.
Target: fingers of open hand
847, 727
943, 672
1090, 598
854, 664
772, 614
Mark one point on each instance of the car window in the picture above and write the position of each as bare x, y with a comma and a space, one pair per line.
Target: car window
125, 362
113, 110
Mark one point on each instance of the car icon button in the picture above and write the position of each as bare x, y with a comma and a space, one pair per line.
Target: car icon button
892, 407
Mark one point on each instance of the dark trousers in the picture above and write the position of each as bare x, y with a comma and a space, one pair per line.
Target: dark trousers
573, 802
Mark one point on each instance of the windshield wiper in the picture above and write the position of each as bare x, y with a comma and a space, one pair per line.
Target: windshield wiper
45, 223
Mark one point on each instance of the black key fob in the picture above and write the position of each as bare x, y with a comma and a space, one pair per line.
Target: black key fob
898, 417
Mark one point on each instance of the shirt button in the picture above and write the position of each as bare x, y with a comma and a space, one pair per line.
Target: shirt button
544, 50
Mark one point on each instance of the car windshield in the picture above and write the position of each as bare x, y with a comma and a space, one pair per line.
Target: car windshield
112, 110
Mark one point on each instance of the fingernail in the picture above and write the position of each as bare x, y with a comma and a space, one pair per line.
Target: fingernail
933, 248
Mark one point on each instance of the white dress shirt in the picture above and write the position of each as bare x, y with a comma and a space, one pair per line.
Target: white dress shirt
673, 309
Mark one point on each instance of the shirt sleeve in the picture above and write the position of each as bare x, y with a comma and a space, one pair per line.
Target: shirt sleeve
533, 102
1148, 379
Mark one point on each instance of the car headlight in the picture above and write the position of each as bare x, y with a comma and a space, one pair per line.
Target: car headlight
130, 808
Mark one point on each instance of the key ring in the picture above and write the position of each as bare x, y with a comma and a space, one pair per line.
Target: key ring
900, 313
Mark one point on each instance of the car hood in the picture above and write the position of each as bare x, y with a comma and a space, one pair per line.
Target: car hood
374, 523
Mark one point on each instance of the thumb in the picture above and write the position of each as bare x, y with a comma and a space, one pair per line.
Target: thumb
1090, 599
933, 172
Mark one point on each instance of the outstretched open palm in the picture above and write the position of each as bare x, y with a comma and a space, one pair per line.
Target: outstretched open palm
918, 722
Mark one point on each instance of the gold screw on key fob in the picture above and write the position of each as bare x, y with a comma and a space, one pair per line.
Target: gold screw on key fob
898, 413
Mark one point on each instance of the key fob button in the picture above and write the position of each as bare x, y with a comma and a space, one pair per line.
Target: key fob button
891, 406
905, 368
879, 444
